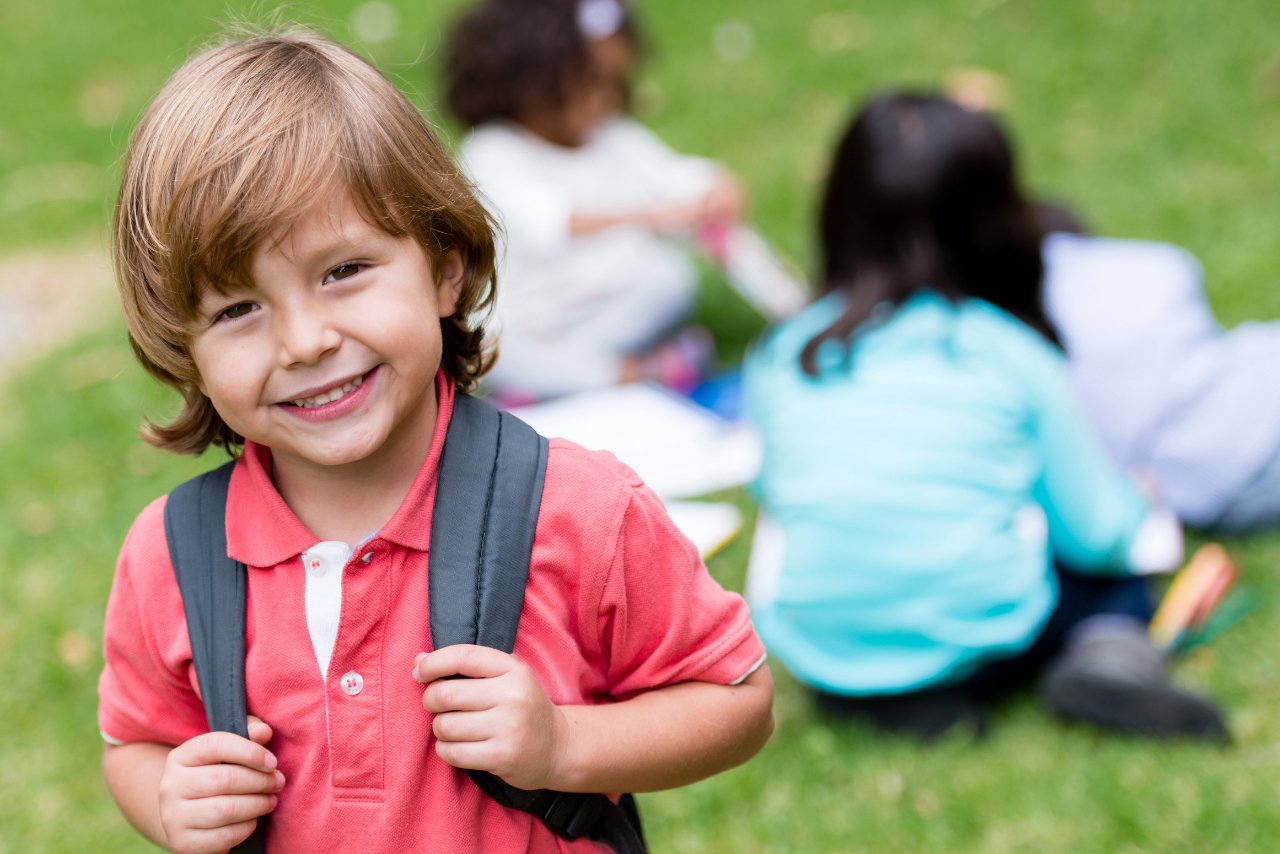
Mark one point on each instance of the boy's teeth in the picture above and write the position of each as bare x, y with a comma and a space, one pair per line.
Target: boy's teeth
328, 396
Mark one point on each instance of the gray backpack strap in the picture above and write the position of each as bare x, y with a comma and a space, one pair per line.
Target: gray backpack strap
213, 594
213, 588
488, 494
483, 524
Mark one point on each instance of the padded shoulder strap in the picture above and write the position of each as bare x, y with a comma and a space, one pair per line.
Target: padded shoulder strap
213, 595
488, 494
483, 525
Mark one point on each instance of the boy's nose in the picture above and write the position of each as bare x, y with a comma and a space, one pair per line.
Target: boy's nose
305, 334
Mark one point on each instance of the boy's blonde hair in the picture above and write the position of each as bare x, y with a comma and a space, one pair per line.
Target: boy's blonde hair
239, 143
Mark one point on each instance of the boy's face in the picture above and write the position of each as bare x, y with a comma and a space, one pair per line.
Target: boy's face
329, 357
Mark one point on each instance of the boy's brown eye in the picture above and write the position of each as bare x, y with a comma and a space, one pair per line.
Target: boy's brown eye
231, 312
343, 271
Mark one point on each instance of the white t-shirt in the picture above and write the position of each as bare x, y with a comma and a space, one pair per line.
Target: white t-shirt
606, 290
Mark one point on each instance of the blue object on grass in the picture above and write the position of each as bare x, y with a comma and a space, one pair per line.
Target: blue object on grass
722, 394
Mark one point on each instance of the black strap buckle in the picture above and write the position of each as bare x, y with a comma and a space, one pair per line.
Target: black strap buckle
572, 814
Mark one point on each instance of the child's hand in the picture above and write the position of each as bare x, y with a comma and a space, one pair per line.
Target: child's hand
724, 202
215, 787
499, 720
674, 217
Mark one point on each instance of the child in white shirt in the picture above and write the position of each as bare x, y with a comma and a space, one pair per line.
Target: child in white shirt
596, 208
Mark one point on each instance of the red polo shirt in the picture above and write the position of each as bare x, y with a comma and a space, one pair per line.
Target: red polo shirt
617, 603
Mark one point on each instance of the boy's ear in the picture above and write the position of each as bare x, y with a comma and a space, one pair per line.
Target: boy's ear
451, 272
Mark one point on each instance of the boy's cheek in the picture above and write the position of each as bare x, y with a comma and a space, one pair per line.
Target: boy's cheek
201, 385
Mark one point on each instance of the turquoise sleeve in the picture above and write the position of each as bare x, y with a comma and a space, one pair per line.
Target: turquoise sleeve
754, 375
1093, 509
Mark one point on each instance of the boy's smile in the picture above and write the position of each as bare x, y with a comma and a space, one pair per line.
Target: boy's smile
329, 357
333, 401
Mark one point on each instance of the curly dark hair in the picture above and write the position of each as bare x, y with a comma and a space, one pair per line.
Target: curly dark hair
509, 58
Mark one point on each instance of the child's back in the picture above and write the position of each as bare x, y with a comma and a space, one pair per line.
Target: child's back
912, 481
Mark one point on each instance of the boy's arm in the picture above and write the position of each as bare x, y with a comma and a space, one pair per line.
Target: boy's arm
500, 721
667, 737
203, 796
133, 772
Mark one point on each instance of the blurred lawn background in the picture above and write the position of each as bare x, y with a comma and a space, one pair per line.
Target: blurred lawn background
1156, 119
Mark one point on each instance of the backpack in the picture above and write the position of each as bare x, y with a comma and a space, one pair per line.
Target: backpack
481, 540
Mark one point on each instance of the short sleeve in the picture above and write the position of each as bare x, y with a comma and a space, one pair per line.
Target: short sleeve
663, 618
145, 692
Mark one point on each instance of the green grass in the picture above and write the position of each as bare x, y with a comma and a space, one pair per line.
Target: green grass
1157, 119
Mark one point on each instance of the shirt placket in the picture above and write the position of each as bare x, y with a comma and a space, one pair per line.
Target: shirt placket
354, 689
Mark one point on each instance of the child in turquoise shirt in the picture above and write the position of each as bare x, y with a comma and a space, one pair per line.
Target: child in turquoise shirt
949, 526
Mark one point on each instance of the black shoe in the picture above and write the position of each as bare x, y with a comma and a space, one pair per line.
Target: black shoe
925, 715
1119, 681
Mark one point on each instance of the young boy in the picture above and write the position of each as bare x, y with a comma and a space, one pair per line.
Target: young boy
297, 255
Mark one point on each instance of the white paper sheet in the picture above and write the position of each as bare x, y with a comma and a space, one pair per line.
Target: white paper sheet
680, 449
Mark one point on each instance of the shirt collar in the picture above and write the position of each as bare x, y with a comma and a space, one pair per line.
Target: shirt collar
264, 532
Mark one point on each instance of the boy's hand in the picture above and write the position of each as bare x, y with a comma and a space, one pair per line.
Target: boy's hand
499, 720
215, 787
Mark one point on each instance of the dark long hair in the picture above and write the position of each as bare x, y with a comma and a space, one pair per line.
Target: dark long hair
923, 193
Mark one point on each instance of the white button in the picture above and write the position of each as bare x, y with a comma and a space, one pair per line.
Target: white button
315, 565
368, 556
352, 682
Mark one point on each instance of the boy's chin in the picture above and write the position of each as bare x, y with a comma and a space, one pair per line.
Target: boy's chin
341, 451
